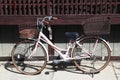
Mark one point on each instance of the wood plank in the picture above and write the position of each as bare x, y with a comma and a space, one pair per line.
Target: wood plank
62, 20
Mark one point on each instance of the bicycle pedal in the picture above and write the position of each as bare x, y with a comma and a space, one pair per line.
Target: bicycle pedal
55, 61
83, 55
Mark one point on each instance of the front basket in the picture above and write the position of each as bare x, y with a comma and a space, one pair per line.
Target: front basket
27, 31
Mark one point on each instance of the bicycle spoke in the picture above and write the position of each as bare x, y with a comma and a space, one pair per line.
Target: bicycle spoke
25, 64
98, 57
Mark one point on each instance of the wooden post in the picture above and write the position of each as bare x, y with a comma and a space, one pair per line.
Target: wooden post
50, 49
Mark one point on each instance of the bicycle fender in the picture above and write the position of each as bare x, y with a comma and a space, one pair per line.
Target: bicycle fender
107, 44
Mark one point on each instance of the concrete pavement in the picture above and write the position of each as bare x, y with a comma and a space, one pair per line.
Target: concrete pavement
111, 72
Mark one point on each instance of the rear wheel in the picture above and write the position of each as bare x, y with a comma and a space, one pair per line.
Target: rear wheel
98, 60
20, 57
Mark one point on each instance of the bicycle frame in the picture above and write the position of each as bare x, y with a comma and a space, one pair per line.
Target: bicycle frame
57, 49
65, 56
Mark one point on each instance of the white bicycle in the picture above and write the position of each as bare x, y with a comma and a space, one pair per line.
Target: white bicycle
30, 56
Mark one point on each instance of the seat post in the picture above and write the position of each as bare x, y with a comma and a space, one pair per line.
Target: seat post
71, 37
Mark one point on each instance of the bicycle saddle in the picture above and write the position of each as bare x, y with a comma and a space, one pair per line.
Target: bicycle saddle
72, 35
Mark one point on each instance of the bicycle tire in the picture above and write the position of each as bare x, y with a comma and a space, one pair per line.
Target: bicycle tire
30, 66
98, 61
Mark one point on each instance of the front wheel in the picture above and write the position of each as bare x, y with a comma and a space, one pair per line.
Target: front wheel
25, 64
94, 53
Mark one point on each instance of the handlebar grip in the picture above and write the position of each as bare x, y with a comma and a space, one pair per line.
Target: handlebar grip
54, 18
46, 22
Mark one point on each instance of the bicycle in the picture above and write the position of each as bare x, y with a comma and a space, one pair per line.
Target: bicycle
30, 56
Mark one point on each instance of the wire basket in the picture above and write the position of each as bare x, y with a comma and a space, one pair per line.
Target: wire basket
27, 31
97, 26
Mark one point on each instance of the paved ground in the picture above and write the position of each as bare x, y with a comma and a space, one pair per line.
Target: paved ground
111, 72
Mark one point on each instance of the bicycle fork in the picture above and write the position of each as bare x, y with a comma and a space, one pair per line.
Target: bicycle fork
34, 50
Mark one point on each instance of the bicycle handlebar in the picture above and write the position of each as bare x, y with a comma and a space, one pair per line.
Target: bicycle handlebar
50, 18
46, 20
